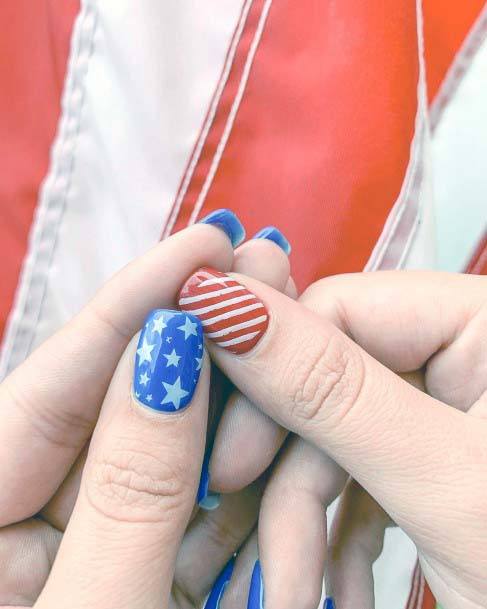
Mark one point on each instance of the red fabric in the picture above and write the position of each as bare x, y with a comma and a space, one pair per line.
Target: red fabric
321, 140
446, 24
33, 50
478, 263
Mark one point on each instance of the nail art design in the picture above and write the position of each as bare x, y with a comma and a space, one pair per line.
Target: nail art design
231, 316
206, 499
329, 603
219, 586
228, 222
168, 360
274, 234
256, 590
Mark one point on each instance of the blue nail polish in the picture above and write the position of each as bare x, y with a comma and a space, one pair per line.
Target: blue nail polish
206, 500
216, 594
256, 590
274, 234
329, 603
168, 360
228, 222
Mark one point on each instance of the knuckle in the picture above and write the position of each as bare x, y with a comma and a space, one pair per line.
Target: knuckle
220, 533
327, 381
134, 485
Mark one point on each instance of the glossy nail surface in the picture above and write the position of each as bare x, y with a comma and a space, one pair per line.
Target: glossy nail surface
232, 317
329, 603
219, 586
205, 498
228, 222
168, 360
274, 234
256, 590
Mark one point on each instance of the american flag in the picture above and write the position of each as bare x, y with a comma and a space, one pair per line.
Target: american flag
232, 317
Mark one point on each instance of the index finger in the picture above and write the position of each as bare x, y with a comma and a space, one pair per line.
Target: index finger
50, 403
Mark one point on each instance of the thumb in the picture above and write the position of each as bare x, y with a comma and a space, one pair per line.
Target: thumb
140, 479
310, 377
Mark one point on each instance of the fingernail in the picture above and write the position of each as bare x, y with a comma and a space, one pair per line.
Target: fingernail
228, 222
256, 590
232, 317
216, 594
168, 360
274, 234
329, 603
206, 499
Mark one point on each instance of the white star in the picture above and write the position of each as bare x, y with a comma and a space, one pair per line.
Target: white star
174, 393
149, 397
172, 358
144, 379
144, 352
198, 362
137, 394
158, 324
188, 328
200, 347
169, 339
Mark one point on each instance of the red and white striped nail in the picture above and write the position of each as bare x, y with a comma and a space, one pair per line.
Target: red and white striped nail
232, 317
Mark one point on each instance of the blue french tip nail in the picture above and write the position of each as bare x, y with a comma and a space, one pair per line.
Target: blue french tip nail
329, 603
216, 594
168, 360
228, 222
206, 500
274, 234
256, 590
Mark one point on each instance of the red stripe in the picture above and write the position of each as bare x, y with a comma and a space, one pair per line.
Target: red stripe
220, 305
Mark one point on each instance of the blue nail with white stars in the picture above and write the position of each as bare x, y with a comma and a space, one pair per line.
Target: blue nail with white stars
168, 360
228, 222
274, 234
256, 590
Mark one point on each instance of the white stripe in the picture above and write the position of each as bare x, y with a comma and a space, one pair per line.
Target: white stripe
244, 324
215, 281
223, 304
233, 112
212, 320
236, 341
191, 299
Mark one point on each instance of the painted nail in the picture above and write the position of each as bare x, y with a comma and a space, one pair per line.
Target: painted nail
274, 234
329, 603
168, 360
256, 590
216, 594
205, 498
231, 316
228, 222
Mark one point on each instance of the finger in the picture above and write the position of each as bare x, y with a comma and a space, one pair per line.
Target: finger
312, 379
237, 590
139, 482
292, 525
233, 466
355, 543
51, 402
216, 535
432, 320
262, 258
27, 551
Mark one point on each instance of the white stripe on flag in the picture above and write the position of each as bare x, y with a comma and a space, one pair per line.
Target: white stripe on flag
223, 304
200, 297
240, 339
244, 324
215, 281
212, 320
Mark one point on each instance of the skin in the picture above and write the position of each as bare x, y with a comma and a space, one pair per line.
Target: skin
421, 460
107, 472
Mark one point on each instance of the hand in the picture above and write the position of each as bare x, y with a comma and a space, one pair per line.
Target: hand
423, 462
